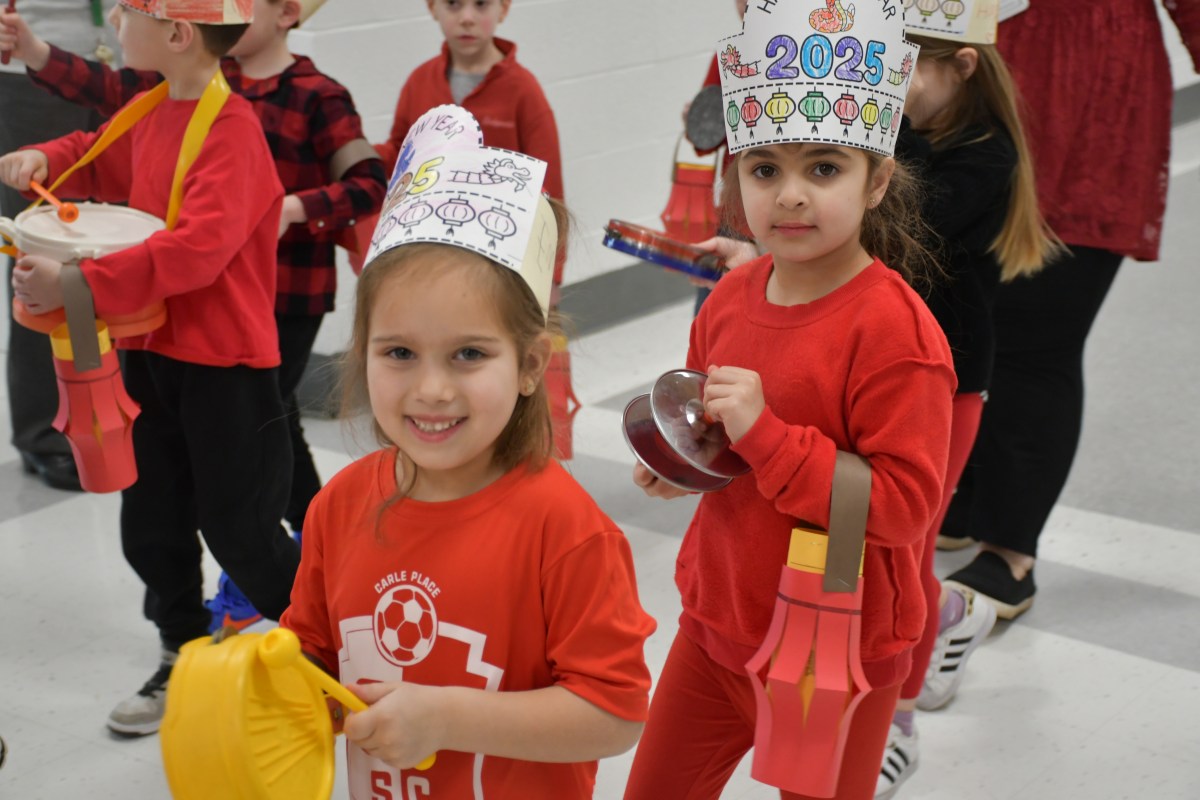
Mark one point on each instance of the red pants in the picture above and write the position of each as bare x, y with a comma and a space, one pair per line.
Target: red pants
964, 424
702, 723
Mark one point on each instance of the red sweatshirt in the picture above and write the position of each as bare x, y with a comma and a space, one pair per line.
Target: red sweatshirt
216, 269
865, 369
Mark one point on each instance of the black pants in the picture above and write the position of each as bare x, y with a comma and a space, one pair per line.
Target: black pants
1032, 420
296, 337
29, 115
212, 455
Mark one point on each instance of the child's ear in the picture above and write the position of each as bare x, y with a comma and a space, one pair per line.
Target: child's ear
880, 179
536, 360
966, 61
505, 5
289, 15
182, 35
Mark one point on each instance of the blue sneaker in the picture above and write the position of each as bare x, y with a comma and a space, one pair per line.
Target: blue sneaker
230, 607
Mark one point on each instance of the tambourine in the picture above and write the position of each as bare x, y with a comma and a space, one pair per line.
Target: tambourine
246, 717
656, 248
671, 435
705, 124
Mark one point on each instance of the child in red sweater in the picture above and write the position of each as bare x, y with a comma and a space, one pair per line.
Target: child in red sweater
479, 71
210, 444
332, 177
817, 347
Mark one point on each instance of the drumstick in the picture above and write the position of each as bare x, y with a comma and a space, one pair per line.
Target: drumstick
67, 212
6, 56
281, 648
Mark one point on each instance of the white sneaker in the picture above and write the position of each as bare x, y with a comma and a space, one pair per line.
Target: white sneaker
899, 762
142, 713
952, 649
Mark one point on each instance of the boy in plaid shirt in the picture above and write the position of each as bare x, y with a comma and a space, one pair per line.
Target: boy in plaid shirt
333, 178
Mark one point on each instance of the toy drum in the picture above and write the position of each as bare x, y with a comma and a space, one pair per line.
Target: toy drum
652, 246
101, 229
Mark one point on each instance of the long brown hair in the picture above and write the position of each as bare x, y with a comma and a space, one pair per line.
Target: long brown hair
1025, 243
528, 436
893, 231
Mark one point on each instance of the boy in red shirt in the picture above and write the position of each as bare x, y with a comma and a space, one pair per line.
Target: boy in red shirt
211, 443
479, 71
331, 174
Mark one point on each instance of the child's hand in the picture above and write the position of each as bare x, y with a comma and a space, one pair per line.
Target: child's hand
291, 214
734, 252
654, 487
19, 168
18, 41
36, 283
734, 397
401, 727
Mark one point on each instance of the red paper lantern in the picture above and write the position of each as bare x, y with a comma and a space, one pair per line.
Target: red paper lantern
846, 110
751, 111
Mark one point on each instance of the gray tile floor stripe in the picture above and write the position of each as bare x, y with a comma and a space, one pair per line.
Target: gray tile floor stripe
19, 495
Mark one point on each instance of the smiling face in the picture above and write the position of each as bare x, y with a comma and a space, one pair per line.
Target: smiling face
443, 373
805, 202
469, 25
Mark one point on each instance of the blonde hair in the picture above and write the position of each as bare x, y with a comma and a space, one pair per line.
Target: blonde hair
893, 231
528, 436
1026, 243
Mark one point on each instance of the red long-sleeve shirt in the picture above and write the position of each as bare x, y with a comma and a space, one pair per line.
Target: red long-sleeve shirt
865, 369
216, 269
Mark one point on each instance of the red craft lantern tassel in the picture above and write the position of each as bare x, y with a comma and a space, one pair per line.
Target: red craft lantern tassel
807, 676
96, 415
691, 215
564, 405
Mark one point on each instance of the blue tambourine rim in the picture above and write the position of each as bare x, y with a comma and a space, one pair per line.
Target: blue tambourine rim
654, 256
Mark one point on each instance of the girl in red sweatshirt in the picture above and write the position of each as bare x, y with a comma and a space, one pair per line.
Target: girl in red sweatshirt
818, 346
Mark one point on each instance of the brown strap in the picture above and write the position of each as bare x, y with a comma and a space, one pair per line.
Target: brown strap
848, 506
81, 318
348, 155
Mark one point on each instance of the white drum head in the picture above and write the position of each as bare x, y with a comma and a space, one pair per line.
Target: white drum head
101, 229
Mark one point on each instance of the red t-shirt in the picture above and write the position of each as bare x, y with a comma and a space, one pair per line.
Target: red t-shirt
216, 269
522, 585
864, 369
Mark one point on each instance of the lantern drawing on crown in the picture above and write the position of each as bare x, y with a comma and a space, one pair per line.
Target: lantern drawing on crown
779, 108
414, 215
885, 117
927, 7
751, 111
733, 116
952, 9
454, 213
815, 108
498, 223
869, 114
846, 110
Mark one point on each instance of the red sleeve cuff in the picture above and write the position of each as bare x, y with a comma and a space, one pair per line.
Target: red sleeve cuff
763, 440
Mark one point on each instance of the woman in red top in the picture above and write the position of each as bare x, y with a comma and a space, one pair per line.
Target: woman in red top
1097, 86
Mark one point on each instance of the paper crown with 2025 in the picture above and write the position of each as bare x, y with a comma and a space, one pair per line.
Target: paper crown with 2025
448, 188
966, 21
824, 71
205, 12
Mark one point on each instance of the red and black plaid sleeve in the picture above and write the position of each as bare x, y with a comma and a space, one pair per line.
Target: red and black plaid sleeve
90, 83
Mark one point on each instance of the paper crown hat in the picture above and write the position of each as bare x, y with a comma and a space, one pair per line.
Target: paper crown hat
966, 21
448, 188
308, 8
207, 12
816, 71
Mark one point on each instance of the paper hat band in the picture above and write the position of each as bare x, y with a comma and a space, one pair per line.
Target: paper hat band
206, 12
448, 188
816, 71
966, 21
308, 8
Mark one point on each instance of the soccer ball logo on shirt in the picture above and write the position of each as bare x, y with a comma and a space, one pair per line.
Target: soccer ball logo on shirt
405, 624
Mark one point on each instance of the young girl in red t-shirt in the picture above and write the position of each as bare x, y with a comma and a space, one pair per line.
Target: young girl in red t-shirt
459, 580
817, 347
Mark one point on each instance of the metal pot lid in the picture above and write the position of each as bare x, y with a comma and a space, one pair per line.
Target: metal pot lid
647, 444
677, 404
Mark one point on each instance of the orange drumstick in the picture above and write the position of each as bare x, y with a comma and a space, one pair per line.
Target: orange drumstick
6, 56
67, 212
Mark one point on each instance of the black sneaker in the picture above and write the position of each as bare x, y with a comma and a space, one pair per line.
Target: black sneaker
989, 576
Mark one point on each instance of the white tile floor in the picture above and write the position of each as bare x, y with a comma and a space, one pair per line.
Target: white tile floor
1094, 693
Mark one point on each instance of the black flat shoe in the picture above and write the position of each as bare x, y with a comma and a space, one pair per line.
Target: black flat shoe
989, 576
56, 470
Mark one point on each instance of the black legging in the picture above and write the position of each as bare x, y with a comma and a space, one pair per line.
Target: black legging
1032, 420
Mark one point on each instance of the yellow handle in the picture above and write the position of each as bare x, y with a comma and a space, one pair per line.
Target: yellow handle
280, 648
